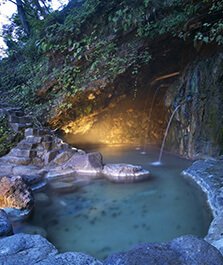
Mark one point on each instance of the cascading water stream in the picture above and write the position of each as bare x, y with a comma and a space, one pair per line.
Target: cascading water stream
157, 163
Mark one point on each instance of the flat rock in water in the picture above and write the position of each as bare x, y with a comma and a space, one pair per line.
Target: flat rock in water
185, 250
90, 164
125, 173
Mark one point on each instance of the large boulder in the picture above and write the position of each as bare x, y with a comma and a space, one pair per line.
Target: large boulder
24, 249
63, 157
5, 224
185, 250
14, 193
90, 163
125, 173
32, 175
215, 232
70, 258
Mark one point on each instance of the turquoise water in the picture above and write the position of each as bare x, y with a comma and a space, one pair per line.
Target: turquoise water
102, 218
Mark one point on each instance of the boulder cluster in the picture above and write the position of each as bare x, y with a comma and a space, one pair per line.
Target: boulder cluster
42, 158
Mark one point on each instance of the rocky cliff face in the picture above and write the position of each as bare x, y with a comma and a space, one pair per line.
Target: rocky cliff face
106, 81
197, 129
129, 109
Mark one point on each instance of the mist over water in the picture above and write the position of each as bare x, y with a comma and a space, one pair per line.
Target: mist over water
102, 218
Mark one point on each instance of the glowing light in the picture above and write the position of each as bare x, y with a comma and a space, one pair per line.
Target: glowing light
91, 96
112, 126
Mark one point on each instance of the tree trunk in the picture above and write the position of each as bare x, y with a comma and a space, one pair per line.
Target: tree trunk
43, 1
22, 17
42, 10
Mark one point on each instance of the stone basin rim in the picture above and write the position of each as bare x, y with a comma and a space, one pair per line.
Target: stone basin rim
211, 185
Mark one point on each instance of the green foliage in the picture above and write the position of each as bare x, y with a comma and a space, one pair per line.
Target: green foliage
7, 138
213, 33
67, 77
99, 39
123, 19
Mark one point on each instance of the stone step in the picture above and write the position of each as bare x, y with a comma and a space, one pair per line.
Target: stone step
3, 112
36, 132
16, 160
19, 113
26, 145
13, 109
49, 156
5, 168
34, 173
48, 138
2, 104
10, 110
33, 139
48, 146
20, 119
23, 152
19, 126
53, 175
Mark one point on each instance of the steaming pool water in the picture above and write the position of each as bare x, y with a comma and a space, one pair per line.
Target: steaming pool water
102, 218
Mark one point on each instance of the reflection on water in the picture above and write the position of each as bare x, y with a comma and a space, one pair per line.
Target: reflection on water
102, 218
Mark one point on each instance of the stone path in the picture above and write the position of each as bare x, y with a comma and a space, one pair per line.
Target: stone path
16, 117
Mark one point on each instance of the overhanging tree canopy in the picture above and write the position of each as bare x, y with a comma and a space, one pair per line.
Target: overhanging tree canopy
30, 9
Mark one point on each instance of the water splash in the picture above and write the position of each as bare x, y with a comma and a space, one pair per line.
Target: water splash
156, 163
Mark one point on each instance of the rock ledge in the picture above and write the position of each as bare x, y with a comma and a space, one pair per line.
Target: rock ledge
208, 175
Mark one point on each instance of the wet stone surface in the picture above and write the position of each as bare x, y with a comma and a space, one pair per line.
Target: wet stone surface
208, 175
